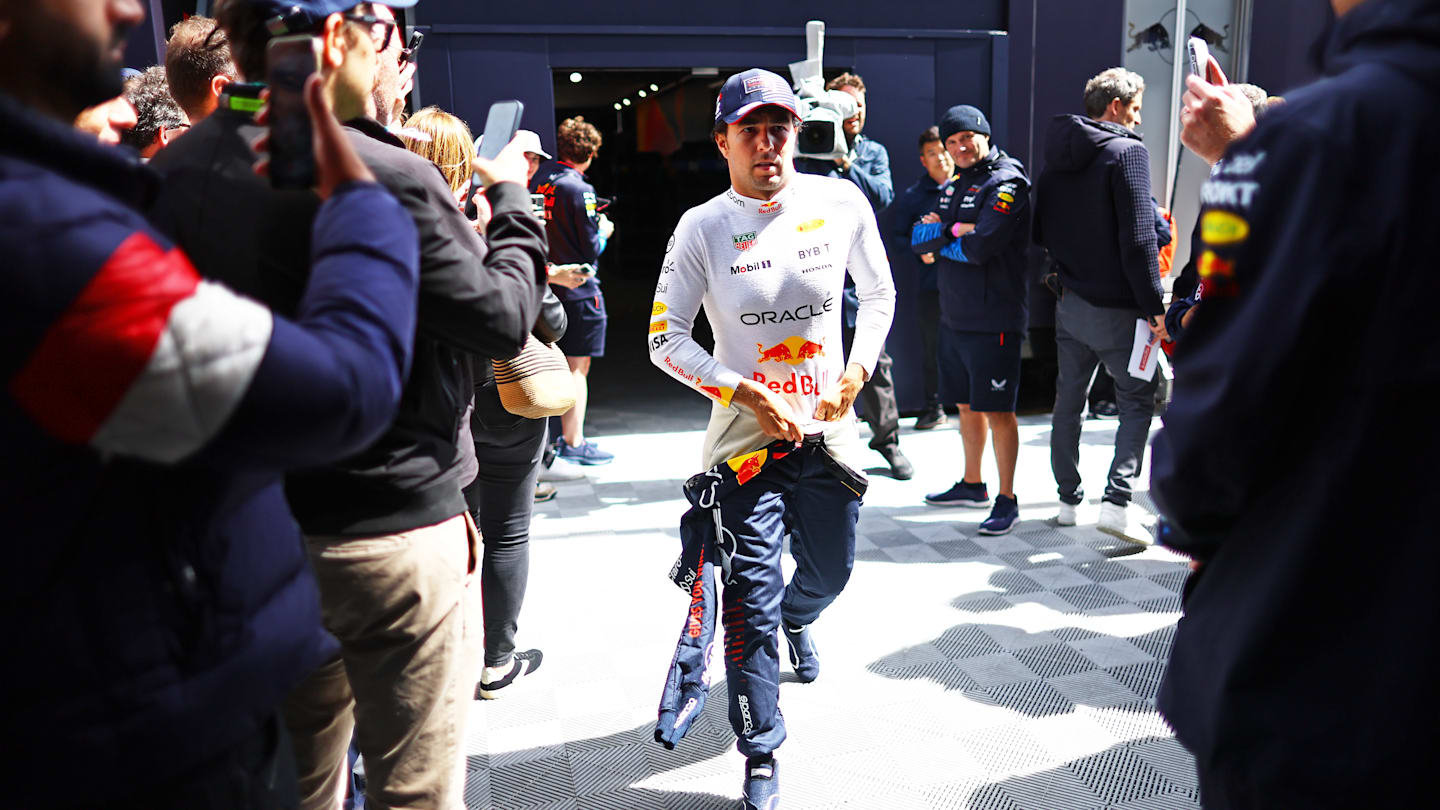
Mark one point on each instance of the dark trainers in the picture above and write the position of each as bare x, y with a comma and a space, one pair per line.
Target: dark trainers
585, 453
1104, 409
933, 417
493, 679
762, 783
804, 657
1003, 517
900, 467
962, 494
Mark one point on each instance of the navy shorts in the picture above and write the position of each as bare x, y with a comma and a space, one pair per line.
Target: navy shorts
980, 369
585, 332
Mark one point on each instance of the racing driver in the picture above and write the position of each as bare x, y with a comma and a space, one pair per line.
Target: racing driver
767, 259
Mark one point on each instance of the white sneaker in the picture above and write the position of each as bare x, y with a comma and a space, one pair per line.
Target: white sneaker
1067, 514
562, 470
1115, 521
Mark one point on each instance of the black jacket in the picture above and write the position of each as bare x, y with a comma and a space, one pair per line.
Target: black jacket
472, 301
1297, 458
982, 276
1094, 213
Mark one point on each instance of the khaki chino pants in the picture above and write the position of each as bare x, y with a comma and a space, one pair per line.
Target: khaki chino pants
409, 651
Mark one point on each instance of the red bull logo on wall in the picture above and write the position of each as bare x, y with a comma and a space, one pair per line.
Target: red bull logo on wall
793, 350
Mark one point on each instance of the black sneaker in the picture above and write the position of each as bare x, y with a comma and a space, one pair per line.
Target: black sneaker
900, 467
762, 783
804, 657
493, 679
933, 417
1104, 410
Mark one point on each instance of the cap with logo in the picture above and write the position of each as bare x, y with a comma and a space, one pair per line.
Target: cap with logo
305, 16
748, 90
530, 142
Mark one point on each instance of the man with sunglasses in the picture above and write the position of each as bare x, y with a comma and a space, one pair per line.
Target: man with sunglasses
387, 530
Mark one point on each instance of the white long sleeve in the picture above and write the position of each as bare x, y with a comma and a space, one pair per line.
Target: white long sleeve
770, 276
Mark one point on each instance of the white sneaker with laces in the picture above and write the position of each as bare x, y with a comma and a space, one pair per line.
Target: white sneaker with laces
1115, 521
562, 470
1067, 514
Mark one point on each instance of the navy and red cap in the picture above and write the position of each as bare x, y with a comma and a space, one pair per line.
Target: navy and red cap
748, 90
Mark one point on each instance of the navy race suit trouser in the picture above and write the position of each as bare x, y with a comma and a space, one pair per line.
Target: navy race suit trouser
743, 509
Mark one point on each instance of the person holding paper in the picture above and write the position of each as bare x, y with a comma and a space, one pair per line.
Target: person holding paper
1094, 214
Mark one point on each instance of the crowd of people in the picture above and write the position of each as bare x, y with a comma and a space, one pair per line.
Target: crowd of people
270, 477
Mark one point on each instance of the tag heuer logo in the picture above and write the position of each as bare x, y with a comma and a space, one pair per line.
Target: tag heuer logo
744, 241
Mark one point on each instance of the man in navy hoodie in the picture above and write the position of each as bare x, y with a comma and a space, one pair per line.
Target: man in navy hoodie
1096, 217
157, 604
979, 233
1302, 675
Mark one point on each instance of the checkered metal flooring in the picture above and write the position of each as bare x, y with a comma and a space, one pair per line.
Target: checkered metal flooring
959, 671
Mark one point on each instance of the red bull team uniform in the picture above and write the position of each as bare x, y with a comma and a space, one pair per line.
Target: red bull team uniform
770, 275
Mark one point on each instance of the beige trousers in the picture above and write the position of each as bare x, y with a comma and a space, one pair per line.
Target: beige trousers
409, 650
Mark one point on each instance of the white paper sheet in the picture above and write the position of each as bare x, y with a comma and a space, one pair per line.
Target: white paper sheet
1145, 355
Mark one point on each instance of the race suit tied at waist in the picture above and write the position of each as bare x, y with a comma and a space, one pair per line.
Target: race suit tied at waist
705, 542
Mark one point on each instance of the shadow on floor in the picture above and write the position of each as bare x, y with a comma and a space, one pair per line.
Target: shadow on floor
1154, 772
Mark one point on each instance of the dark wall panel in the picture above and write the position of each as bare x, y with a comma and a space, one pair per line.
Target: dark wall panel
977, 14
1284, 32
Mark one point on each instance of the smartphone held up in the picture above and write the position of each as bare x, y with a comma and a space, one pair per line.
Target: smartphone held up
289, 63
501, 124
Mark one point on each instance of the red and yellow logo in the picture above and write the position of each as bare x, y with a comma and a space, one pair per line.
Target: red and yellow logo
793, 350
720, 393
1223, 228
747, 466
771, 207
812, 225
1212, 265
658, 309
658, 327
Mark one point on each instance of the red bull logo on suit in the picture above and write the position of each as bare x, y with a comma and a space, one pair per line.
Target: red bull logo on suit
793, 350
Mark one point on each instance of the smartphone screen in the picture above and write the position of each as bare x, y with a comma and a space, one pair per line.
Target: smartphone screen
289, 62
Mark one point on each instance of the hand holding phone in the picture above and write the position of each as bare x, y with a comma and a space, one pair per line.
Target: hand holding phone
336, 162
289, 62
488, 169
1199, 53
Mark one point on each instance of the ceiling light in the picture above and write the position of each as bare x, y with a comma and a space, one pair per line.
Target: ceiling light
654, 88
641, 94
575, 78
618, 107
625, 101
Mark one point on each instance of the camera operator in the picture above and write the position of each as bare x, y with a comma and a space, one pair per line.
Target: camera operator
157, 603
408, 661
867, 165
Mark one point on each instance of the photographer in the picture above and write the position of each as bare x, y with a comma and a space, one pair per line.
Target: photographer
158, 605
401, 609
867, 165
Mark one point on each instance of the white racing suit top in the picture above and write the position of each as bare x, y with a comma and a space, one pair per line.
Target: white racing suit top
770, 276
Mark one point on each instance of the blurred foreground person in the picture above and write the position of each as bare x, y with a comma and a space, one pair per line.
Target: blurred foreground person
108, 120
157, 602
387, 529
1298, 677
198, 66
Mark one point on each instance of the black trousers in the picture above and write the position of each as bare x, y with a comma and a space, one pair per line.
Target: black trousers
877, 400
930, 339
502, 501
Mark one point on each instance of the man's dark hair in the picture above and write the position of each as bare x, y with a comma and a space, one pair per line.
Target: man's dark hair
155, 110
195, 54
577, 140
846, 80
1109, 85
244, 25
931, 135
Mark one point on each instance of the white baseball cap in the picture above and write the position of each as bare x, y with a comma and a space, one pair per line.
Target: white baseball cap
530, 142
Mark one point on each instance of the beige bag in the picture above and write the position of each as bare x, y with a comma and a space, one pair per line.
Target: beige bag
535, 383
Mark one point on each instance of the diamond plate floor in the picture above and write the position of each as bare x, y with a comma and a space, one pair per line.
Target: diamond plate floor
960, 671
